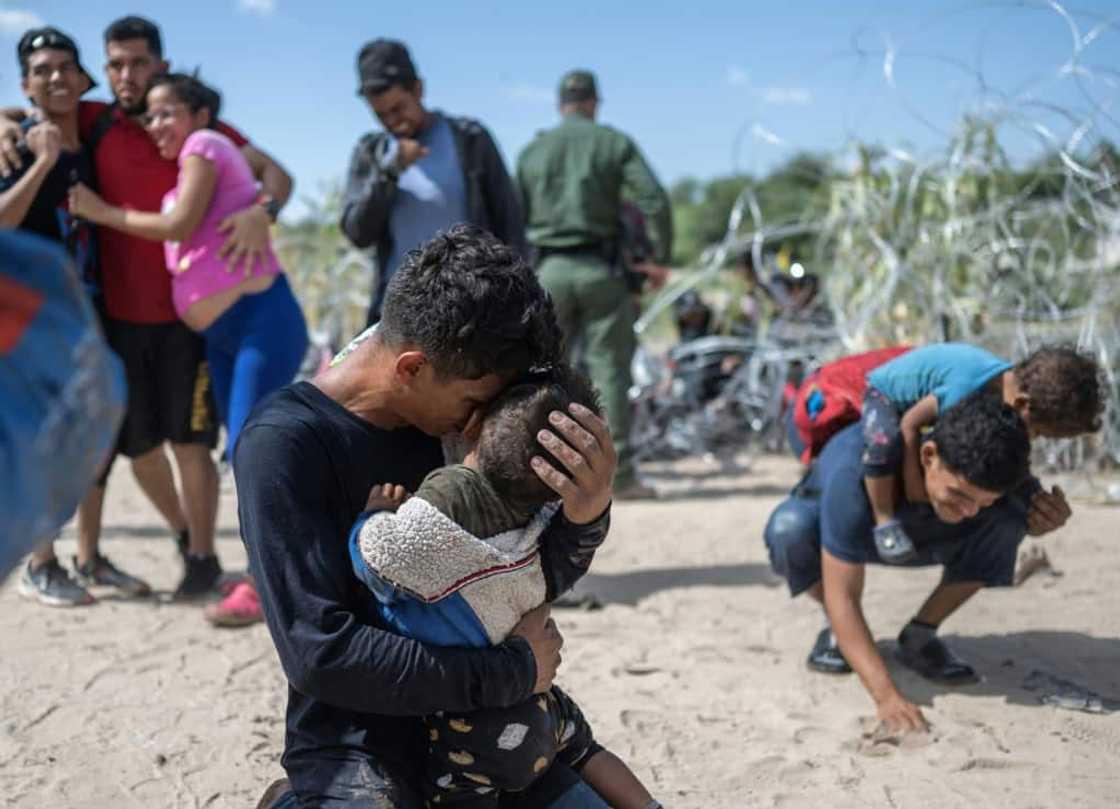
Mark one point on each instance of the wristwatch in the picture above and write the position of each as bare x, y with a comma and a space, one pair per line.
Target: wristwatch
271, 206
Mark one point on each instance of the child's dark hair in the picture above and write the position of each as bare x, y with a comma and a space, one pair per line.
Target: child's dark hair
509, 432
1066, 390
189, 89
984, 441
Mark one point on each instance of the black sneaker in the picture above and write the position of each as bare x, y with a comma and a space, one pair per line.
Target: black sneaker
100, 572
183, 543
200, 577
934, 660
826, 657
51, 585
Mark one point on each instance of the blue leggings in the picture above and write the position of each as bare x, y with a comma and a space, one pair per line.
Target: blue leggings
254, 348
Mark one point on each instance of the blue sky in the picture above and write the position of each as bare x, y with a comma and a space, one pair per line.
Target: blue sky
706, 87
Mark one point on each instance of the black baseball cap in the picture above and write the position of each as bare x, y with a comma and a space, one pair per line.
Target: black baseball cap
48, 37
577, 86
383, 63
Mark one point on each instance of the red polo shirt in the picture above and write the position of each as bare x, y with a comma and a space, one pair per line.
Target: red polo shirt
132, 174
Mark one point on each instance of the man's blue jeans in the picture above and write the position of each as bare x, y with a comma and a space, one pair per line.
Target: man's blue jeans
830, 505
580, 796
366, 785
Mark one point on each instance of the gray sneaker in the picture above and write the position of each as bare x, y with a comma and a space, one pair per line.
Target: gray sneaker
50, 584
892, 543
100, 572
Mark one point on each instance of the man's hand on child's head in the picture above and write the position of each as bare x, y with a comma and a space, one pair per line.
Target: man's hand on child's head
581, 442
386, 497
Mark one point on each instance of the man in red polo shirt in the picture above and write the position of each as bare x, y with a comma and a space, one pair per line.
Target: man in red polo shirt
169, 398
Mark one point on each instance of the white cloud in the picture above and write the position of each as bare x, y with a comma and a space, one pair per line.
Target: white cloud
765, 135
786, 96
16, 21
261, 7
737, 76
529, 93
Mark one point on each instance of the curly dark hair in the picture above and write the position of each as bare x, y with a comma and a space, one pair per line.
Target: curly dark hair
1066, 390
192, 91
472, 305
509, 432
985, 441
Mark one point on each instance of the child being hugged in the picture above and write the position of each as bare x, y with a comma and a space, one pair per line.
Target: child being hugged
1056, 390
458, 564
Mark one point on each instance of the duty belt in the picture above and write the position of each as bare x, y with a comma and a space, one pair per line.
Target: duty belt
601, 249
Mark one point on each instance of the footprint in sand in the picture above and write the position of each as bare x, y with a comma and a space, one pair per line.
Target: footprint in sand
1090, 733
642, 722
982, 763
809, 733
797, 772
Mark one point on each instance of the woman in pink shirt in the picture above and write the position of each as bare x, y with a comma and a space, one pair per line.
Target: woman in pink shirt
256, 337
255, 333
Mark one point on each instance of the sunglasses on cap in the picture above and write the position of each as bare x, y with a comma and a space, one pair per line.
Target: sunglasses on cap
33, 41
50, 40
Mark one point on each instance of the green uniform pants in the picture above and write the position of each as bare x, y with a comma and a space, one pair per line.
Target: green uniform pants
597, 312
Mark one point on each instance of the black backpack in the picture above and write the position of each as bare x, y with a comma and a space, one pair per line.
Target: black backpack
101, 127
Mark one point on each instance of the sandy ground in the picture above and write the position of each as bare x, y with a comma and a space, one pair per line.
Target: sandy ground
694, 672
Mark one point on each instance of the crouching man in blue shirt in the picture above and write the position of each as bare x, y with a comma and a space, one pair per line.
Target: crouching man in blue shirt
982, 503
463, 317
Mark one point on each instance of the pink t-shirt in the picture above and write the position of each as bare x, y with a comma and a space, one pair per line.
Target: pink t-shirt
196, 270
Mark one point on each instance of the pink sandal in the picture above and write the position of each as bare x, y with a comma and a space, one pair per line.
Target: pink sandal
242, 607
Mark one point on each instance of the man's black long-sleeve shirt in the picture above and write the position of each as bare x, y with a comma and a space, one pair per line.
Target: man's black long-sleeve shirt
304, 467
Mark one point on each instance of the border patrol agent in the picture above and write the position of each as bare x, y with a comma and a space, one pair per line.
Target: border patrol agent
573, 179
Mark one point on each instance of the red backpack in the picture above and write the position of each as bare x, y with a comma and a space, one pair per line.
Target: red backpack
832, 398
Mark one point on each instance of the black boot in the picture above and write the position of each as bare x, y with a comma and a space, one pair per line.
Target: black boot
928, 655
825, 655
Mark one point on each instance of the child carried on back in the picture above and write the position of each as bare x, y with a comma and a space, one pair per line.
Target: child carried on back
1055, 390
457, 564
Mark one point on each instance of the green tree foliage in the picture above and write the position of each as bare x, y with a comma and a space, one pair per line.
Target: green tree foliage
331, 279
796, 191
700, 213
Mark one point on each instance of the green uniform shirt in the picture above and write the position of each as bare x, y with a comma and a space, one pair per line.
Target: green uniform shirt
572, 178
